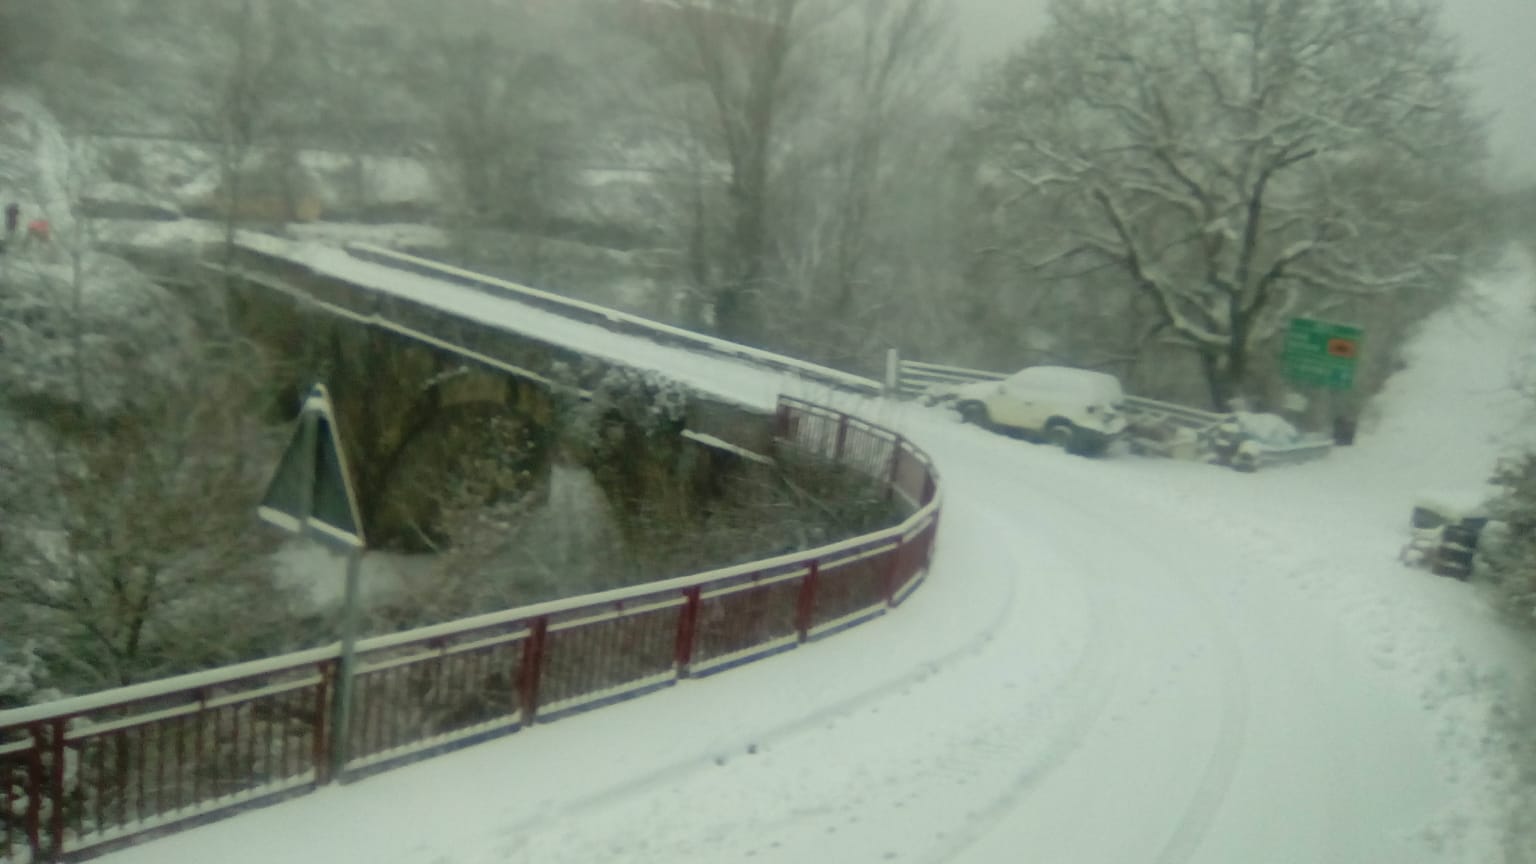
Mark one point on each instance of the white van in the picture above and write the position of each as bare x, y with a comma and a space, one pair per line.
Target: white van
1078, 410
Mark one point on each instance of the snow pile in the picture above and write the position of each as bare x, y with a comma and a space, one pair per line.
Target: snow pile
1459, 406
1270, 430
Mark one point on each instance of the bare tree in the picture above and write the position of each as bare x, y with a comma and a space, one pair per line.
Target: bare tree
1236, 162
895, 63
252, 100
496, 99
866, 170
127, 524
787, 120
735, 81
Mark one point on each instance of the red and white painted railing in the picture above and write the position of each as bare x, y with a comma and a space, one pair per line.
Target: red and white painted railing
81, 775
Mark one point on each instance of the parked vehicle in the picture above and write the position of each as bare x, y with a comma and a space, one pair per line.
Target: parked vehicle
1446, 529
1075, 409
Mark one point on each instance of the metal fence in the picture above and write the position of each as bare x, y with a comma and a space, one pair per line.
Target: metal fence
81, 775
911, 378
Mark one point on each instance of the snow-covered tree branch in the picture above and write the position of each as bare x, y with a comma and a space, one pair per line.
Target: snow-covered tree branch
1236, 160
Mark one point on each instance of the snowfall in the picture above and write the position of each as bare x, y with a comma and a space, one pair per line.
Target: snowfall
1112, 660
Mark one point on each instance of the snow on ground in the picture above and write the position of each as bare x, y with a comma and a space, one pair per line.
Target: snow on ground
1116, 660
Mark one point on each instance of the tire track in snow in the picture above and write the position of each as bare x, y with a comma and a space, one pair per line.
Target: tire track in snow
1081, 681
1219, 769
1003, 750
1009, 741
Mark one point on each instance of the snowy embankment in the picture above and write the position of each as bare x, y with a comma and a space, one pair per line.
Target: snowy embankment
1117, 660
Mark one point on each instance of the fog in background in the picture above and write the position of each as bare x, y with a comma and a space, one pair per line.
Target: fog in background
1497, 36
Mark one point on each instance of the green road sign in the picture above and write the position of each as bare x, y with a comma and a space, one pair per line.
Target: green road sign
1321, 354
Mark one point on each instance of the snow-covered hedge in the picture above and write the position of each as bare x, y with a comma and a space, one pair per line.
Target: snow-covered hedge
1507, 554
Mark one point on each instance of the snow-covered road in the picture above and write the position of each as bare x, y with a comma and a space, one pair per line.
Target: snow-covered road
1117, 660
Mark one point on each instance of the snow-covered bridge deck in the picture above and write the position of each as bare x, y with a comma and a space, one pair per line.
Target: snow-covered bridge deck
721, 369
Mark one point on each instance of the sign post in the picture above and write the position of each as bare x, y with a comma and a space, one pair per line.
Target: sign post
311, 494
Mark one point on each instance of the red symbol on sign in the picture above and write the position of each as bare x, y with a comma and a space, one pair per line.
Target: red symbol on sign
1345, 348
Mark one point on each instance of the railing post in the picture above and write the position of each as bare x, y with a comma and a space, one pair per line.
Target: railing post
36, 791
323, 733
533, 665
805, 604
198, 737
56, 793
930, 539
346, 669
890, 480
893, 572
687, 627
781, 420
842, 437
892, 372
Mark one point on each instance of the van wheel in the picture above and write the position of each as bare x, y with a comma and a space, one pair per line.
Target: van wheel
974, 412
1061, 433
1092, 445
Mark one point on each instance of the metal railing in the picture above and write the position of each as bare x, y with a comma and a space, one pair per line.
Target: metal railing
913, 378
81, 775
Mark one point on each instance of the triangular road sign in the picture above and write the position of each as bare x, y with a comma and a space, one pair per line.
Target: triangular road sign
311, 491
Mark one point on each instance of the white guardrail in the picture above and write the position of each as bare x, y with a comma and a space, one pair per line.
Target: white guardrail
1215, 437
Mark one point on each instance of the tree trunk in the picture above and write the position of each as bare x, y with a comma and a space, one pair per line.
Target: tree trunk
1216, 382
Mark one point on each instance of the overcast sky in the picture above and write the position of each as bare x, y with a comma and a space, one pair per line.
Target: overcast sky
1499, 36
